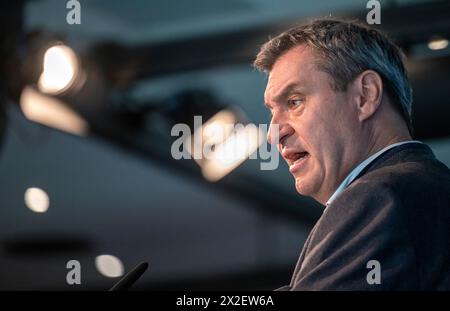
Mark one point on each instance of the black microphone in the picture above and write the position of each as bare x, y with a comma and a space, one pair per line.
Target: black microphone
128, 280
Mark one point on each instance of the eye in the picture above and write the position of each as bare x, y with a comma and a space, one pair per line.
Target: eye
294, 103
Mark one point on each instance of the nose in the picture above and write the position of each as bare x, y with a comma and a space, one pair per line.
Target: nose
279, 130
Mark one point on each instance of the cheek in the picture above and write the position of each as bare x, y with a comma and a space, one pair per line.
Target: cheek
320, 133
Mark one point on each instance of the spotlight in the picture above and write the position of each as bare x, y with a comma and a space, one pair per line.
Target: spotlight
224, 141
52, 71
231, 152
61, 69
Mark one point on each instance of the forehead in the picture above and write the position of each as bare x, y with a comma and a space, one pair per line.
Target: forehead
296, 66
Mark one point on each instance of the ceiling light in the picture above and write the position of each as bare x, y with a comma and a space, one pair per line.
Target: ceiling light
438, 44
60, 69
36, 200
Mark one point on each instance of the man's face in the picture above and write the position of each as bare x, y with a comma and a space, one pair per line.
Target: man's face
318, 127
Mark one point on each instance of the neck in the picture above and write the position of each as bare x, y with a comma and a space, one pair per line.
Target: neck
378, 142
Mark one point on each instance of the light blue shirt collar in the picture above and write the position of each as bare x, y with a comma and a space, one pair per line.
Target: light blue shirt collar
355, 172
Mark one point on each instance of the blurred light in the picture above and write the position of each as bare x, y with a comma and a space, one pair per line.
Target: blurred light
438, 44
218, 127
232, 152
51, 112
108, 265
227, 145
61, 67
213, 132
36, 200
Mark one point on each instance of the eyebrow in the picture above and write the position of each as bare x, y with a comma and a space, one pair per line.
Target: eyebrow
283, 94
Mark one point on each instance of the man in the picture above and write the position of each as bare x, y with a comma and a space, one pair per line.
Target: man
339, 94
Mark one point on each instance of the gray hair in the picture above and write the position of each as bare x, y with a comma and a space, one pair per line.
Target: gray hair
346, 49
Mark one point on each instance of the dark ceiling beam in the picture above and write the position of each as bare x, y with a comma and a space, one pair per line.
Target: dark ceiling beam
407, 24
156, 60
415, 23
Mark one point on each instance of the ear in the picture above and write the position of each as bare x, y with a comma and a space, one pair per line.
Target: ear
369, 90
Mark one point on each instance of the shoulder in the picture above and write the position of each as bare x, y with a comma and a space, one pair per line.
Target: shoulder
364, 223
410, 182
409, 198
378, 199
365, 206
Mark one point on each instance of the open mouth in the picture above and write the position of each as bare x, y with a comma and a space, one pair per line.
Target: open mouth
297, 161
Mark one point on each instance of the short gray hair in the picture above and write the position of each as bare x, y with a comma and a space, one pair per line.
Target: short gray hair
346, 49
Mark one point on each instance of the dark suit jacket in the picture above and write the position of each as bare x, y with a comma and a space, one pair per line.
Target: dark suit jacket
396, 212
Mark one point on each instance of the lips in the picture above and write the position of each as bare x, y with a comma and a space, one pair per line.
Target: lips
295, 159
299, 163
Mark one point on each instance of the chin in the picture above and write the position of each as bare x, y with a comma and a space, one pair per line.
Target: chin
305, 187
302, 186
